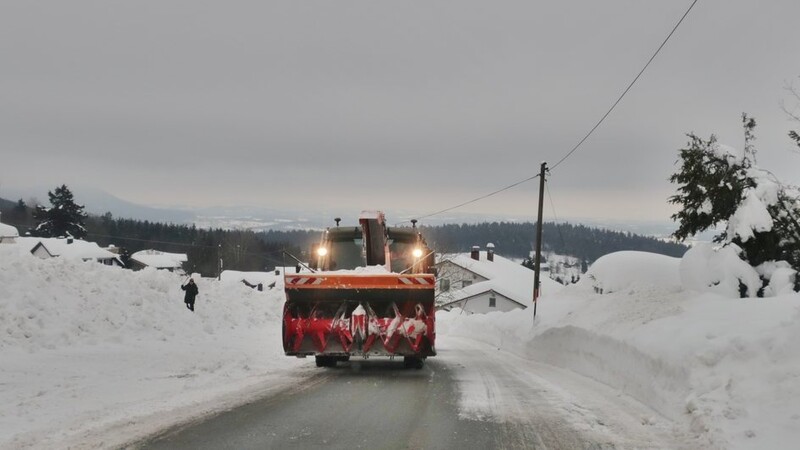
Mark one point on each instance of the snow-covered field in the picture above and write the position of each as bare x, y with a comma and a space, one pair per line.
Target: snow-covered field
95, 356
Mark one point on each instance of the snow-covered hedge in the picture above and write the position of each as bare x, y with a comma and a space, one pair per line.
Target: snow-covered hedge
630, 270
722, 271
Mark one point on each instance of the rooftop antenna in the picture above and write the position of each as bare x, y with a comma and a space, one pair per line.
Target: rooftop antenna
337, 220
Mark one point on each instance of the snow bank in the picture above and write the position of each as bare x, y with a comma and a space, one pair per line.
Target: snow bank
725, 371
87, 348
630, 269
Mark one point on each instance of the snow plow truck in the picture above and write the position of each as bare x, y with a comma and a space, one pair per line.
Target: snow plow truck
369, 291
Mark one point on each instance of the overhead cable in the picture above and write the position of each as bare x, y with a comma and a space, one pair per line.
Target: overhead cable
591, 131
619, 99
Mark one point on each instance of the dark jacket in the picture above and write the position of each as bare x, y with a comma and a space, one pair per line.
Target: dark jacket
191, 292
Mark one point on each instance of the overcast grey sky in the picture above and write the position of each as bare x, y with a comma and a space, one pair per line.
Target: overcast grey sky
386, 105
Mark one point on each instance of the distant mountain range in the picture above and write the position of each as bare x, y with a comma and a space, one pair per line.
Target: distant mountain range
99, 202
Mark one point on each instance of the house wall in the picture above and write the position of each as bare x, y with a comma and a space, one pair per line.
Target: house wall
110, 262
138, 265
457, 277
479, 304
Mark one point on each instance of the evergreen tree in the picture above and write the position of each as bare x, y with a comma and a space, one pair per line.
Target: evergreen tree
63, 218
529, 263
714, 184
711, 187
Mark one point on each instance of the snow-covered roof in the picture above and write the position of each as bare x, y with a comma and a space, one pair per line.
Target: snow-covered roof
504, 276
77, 249
254, 278
159, 259
7, 231
250, 277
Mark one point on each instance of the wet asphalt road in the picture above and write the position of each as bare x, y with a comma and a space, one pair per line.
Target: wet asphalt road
375, 404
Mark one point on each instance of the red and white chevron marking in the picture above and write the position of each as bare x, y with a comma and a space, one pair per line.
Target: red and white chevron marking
416, 280
305, 280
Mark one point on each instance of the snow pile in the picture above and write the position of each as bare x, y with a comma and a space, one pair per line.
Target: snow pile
723, 371
631, 269
374, 270
89, 349
706, 269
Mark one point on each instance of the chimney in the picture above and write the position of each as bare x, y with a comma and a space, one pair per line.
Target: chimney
70, 240
475, 253
490, 252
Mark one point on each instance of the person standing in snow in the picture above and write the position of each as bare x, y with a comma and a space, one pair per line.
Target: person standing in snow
191, 293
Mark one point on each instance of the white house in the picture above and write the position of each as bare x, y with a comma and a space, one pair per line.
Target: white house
159, 260
482, 281
69, 248
8, 234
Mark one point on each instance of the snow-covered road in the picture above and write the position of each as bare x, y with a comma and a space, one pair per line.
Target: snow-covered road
552, 407
470, 396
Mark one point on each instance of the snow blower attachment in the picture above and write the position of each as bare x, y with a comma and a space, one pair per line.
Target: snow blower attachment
371, 293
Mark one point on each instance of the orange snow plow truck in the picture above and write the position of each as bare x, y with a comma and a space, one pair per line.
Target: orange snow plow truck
369, 292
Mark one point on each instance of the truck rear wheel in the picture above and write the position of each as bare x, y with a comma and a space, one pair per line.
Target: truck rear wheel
325, 361
413, 362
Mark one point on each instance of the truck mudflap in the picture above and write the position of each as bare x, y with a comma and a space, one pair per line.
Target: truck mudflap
384, 315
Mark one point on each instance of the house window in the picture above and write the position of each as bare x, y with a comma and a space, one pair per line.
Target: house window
444, 284
492, 302
466, 283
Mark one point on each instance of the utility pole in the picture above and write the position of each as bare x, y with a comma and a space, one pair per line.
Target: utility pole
538, 259
219, 255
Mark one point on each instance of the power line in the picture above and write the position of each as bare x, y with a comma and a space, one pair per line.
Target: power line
591, 131
635, 79
476, 199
